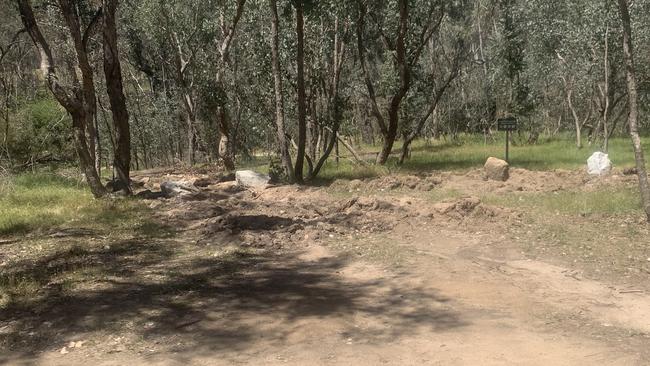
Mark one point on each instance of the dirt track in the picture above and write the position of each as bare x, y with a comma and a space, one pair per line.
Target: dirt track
291, 276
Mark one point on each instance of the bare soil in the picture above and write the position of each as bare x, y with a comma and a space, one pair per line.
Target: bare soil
359, 273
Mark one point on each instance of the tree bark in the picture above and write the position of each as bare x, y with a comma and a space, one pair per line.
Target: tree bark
404, 61
628, 55
302, 107
405, 81
226, 145
281, 132
334, 103
114, 88
76, 102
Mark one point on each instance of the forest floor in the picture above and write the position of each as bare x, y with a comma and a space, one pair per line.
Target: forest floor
442, 268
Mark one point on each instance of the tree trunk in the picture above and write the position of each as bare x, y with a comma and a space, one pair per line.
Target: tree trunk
86, 161
114, 88
281, 132
405, 77
225, 145
389, 138
302, 107
628, 55
191, 140
80, 106
98, 145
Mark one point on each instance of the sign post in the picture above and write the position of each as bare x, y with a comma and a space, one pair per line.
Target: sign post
508, 125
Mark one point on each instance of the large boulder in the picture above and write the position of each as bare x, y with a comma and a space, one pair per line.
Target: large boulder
599, 164
251, 179
173, 189
497, 169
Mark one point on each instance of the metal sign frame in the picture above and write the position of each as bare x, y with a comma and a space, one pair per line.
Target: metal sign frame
508, 124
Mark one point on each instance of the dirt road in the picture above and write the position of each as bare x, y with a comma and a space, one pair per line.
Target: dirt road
281, 279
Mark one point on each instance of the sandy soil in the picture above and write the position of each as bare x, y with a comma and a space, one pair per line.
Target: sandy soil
346, 275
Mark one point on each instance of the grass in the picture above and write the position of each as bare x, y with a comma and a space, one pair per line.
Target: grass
610, 201
40, 202
469, 152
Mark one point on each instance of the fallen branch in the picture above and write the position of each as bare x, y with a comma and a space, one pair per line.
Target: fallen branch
349, 148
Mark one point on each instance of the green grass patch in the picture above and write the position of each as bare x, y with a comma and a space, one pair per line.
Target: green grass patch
468, 152
609, 201
32, 202
472, 152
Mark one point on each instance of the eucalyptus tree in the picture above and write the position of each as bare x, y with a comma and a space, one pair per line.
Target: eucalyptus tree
79, 97
632, 90
223, 41
115, 91
446, 54
10, 53
76, 91
404, 28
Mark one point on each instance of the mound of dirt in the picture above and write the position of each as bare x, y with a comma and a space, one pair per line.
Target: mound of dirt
391, 182
366, 204
470, 207
521, 180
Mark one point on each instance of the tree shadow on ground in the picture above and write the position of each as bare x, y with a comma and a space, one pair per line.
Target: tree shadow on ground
166, 293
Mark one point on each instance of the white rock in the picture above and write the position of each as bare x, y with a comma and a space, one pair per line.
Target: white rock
173, 189
251, 179
599, 164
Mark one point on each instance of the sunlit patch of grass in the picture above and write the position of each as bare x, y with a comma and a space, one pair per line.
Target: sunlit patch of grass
471, 151
31, 202
350, 171
609, 201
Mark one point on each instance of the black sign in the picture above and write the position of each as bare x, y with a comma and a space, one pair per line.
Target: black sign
507, 124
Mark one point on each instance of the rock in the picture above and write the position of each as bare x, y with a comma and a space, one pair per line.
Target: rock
251, 179
173, 189
630, 171
599, 164
497, 169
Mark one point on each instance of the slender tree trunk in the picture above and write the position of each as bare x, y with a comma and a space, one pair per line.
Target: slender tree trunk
225, 143
313, 128
281, 132
5, 138
98, 144
80, 106
302, 107
405, 78
606, 95
86, 161
191, 140
114, 88
628, 54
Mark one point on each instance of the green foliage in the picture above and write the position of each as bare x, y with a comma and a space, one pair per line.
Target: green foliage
42, 127
276, 172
